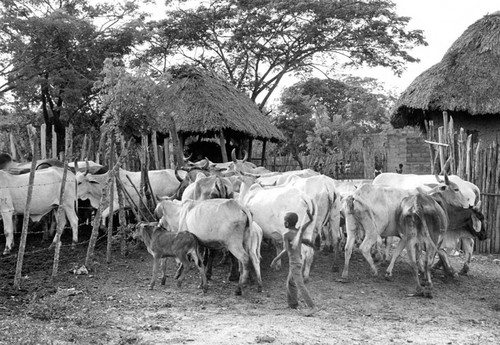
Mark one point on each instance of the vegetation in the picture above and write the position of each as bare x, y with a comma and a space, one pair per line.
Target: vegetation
322, 116
53, 53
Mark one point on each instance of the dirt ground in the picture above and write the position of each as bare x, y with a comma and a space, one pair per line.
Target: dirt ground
112, 304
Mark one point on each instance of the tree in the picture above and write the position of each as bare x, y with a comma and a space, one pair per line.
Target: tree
53, 51
331, 112
256, 43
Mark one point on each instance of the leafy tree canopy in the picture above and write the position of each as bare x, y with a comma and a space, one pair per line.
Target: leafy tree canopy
256, 42
322, 116
53, 52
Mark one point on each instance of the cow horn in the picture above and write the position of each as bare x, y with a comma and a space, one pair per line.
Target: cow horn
186, 159
87, 166
177, 175
477, 207
246, 156
76, 165
446, 179
233, 155
207, 163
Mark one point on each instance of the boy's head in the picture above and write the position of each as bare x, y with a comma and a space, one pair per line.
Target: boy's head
291, 220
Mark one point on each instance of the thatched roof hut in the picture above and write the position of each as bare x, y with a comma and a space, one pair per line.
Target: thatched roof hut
465, 83
202, 104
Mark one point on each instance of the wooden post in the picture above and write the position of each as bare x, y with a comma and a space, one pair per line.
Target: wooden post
43, 141
111, 199
24, 233
166, 147
83, 153
121, 217
250, 144
102, 141
469, 160
451, 142
154, 145
263, 156
54, 142
441, 139
102, 203
222, 143
13, 151
60, 215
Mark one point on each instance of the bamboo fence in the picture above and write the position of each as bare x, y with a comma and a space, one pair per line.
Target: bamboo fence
456, 153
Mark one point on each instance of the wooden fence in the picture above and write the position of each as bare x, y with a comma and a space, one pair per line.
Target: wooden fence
456, 153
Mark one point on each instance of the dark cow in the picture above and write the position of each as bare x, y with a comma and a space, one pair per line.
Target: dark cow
163, 244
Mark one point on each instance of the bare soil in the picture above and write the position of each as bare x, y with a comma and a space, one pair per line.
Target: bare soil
112, 304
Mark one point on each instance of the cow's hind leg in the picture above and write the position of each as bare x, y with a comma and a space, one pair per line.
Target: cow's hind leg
395, 255
256, 266
468, 247
239, 252
183, 258
156, 263
73, 221
198, 261
349, 245
163, 271
412, 256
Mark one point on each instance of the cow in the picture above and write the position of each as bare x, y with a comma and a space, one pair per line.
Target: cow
410, 181
239, 166
269, 206
422, 221
90, 186
322, 189
279, 179
372, 209
208, 187
162, 243
45, 197
218, 224
468, 189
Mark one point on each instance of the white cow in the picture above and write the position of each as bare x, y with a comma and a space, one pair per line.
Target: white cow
322, 189
45, 197
218, 224
371, 210
468, 189
163, 183
269, 206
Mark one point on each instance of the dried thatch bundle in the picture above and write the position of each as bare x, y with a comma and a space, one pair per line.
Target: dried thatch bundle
467, 80
202, 103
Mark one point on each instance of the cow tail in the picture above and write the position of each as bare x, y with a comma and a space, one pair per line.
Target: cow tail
252, 243
311, 206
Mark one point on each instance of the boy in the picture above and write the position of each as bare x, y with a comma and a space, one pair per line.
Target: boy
295, 281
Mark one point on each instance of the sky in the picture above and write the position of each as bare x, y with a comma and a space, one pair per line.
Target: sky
443, 22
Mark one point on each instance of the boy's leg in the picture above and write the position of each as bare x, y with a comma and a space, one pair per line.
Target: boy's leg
299, 283
291, 292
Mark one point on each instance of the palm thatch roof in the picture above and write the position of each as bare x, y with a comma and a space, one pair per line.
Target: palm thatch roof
202, 103
467, 80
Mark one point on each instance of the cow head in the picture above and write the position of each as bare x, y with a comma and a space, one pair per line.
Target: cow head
90, 187
469, 219
212, 187
449, 192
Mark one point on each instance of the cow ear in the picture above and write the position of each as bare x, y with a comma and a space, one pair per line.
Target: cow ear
476, 223
477, 207
437, 178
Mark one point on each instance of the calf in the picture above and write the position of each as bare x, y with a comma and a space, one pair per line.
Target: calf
162, 243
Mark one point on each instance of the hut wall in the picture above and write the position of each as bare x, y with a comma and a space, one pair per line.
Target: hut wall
405, 146
486, 127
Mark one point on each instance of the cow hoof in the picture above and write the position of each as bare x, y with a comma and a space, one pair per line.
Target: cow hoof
389, 277
179, 283
259, 289
464, 271
238, 292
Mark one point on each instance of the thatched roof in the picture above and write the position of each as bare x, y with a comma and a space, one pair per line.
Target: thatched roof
466, 80
202, 103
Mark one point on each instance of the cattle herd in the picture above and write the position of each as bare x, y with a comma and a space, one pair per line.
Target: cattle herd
235, 206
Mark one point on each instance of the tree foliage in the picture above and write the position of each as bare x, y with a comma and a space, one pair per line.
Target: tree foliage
322, 116
53, 52
256, 43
